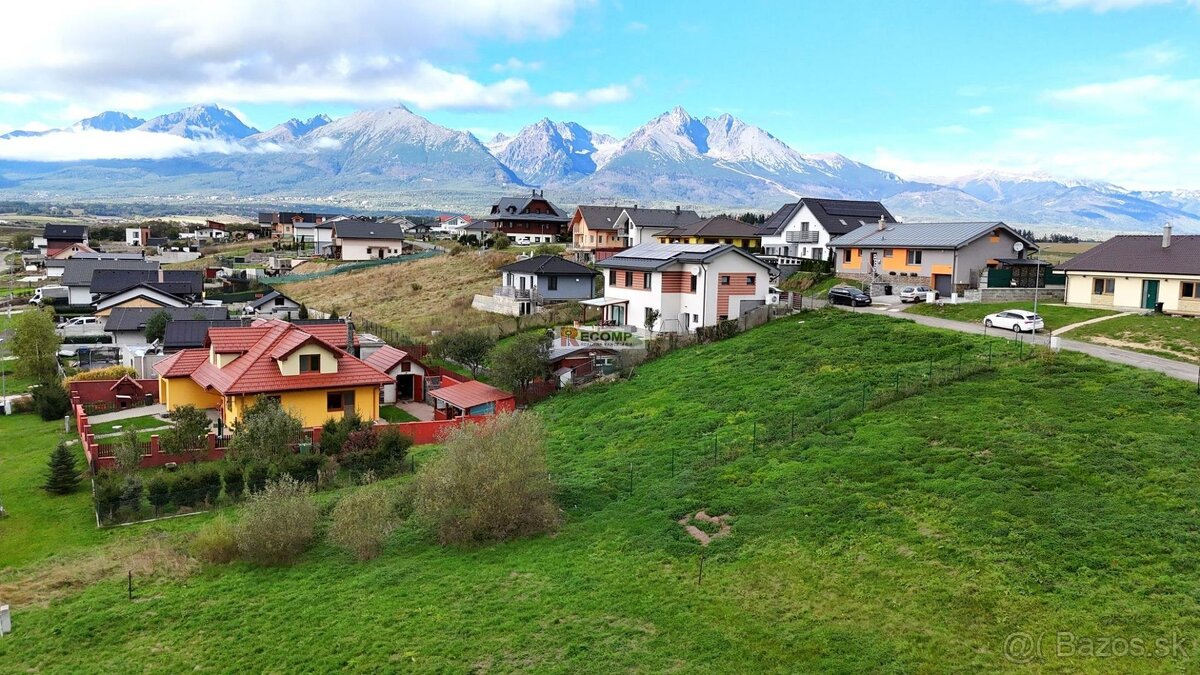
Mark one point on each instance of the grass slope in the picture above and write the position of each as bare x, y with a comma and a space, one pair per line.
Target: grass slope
1055, 316
916, 536
1174, 337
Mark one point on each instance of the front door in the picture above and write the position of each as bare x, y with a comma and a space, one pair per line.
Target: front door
404, 387
1149, 293
616, 314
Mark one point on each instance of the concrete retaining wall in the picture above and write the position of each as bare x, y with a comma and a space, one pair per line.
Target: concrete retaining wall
1021, 294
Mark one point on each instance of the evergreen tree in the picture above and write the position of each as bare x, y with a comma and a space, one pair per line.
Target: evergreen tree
62, 477
303, 311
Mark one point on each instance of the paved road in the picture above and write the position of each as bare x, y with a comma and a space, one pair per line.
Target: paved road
1176, 369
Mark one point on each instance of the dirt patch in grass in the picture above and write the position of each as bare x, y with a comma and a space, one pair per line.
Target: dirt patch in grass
704, 528
152, 556
1152, 346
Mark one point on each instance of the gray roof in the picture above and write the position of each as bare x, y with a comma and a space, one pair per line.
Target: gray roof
658, 256
186, 333
922, 235
270, 297
549, 265
836, 216
718, 226
514, 208
59, 232
367, 229
135, 318
79, 272
661, 217
600, 217
176, 282
1140, 254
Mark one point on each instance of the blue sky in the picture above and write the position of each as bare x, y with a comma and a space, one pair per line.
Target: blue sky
1106, 89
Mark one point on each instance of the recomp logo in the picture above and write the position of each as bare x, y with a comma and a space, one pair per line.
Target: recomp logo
611, 337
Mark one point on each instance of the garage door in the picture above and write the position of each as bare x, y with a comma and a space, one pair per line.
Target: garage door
941, 284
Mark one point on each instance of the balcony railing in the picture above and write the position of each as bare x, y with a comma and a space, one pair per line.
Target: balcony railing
810, 237
515, 293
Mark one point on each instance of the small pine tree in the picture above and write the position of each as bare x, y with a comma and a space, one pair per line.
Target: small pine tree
303, 311
62, 477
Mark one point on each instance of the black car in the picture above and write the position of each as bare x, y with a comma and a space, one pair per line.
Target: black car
846, 295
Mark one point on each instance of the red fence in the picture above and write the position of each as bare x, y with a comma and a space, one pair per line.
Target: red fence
99, 456
100, 396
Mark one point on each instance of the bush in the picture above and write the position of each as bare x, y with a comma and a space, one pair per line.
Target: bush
363, 440
256, 477
501, 242
108, 493
109, 373
334, 433
127, 451
51, 401
158, 492
189, 433
184, 489
235, 480
362, 521
489, 483
265, 433
215, 542
208, 482
62, 475
304, 468
277, 523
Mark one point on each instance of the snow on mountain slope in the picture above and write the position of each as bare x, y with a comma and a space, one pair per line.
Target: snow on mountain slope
110, 121
549, 150
200, 122
289, 131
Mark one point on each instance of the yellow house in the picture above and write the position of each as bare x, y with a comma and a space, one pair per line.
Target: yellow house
718, 230
1138, 272
300, 366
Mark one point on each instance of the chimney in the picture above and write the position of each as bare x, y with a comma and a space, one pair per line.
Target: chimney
635, 207
349, 336
676, 209
882, 224
533, 192
1166, 235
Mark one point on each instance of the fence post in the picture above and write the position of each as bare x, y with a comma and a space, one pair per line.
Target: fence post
864, 397
792, 432
754, 436
672, 460
700, 576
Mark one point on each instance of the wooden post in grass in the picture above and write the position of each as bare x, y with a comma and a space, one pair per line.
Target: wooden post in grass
700, 575
131, 584
864, 398
754, 436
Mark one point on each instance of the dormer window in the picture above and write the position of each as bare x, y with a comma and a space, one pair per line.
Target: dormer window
310, 363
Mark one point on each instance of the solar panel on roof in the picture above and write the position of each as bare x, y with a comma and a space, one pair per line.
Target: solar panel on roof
855, 211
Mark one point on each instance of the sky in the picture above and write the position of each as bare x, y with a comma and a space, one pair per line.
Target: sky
1098, 89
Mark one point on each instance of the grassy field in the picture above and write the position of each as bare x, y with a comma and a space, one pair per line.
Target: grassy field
139, 423
1174, 337
915, 536
1059, 253
393, 414
15, 383
1055, 316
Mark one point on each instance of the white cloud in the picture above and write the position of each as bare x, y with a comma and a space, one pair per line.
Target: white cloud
980, 110
1099, 6
137, 54
611, 94
1131, 96
513, 64
71, 145
1155, 56
636, 27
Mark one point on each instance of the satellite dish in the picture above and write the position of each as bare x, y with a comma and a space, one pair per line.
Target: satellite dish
1018, 246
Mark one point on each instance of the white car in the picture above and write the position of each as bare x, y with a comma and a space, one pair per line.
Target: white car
1016, 320
81, 322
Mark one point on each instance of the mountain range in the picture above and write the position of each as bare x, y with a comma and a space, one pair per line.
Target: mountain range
393, 158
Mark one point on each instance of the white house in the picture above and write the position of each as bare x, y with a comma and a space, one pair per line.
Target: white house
137, 236
451, 225
407, 371
1135, 272
802, 230
274, 304
639, 226
679, 287
367, 239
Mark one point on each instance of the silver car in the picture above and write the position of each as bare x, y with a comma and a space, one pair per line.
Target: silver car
917, 293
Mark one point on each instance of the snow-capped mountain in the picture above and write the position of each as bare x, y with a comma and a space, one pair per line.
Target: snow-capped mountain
549, 151
290, 130
394, 156
200, 122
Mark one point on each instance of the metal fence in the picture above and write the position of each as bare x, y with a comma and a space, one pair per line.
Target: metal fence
352, 267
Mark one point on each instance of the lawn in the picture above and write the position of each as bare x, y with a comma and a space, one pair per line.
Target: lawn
1055, 316
914, 536
1174, 337
393, 414
138, 423
13, 382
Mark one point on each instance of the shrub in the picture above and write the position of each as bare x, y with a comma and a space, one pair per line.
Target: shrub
334, 433
265, 433
489, 483
158, 492
215, 542
256, 477
62, 475
109, 373
184, 489
131, 496
415, 286
501, 242
108, 493
304, 468
127, 451
363, 440
208, 483
235, 480
393, 446
277, 523
362, 521
51, 401
189, 432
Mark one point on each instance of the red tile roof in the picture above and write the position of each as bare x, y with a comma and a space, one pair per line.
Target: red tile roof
333, 333
469, 394
388, 357
256, 370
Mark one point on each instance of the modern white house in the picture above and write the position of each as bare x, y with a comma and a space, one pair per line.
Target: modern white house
1138, 272
367, 239
803, 229
274, 304
451, 225
637, 225
137, 236
677, 288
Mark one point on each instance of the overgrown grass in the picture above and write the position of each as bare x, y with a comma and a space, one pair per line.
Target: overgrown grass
1056, 316
913, 537
393, 414
1174, 337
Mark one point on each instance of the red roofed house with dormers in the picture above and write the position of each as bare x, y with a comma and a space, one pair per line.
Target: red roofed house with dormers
309, 369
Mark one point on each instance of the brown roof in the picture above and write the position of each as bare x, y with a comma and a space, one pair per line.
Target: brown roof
719, 226
600, 217
467, 395
1140, 254
387, 357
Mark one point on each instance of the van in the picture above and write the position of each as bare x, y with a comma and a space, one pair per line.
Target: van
48, 294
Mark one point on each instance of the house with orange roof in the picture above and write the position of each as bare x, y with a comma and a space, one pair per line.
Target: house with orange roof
470, 399
310, 370
408, 373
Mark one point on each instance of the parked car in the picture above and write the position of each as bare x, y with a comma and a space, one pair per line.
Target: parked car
1016, 320
80, 322
48, 294
848, 295
917, 293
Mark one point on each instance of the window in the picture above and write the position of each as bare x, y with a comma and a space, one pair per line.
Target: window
279, 302
629, 279
339, 400
612, 277
804, 226
724, 279
846, 253
1190, 289
274, 397
1104, 286
913, 258
750, 280
646, 280
310, 363
693, 283
552, 283
887, 252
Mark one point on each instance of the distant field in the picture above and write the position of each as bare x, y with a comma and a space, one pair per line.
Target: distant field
1055, 316
1058, 253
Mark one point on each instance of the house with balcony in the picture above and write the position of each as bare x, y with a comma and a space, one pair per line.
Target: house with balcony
948, 257
283, 224
676, 288
716, 230
356, 240
451, 225
311, 375
638, 225
802, 230
528, 220
528, 283
1138, 272
594, 233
